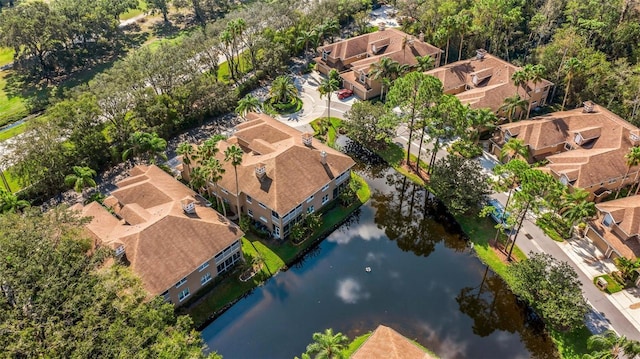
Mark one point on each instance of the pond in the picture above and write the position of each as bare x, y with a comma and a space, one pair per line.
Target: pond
424, 282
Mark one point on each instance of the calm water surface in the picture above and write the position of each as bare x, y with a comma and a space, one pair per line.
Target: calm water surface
424, 283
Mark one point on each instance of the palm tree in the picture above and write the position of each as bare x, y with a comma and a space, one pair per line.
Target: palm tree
609, 345
234, 154
247, 104
213, 171
572, 66
188, 153
198, 179
326, 88
463, 23
305, 38
283, 90
512, 105
331, 27
535, 75
633, 159
208, 148
519, 78
81, 178
9, 202
327, 345
514, 148
576, 211
425, 63
146, 144
384, 71
480, 120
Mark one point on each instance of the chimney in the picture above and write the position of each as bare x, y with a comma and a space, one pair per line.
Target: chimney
188, 205
480, 54
323, 157
588, 106
261, 170
307, 139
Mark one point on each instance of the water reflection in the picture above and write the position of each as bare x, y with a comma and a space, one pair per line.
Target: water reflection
350, 291
493, 308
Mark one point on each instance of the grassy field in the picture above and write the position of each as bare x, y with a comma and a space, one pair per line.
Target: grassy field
13, 131
394, 155
6, 55
13, 182
11, 108
142, 7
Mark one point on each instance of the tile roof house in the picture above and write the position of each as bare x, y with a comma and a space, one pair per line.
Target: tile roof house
485, 82
616, 229
386, 343
584, 147
284, 173
353, 57
170, 238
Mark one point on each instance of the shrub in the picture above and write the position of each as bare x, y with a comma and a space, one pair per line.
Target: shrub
465, 149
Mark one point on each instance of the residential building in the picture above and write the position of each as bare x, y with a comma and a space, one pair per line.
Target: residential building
616, 229
485, 82
582, 148
284, 173
165, 232
386, 343
353, 57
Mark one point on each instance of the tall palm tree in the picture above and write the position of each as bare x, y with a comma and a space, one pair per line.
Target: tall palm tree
188, 153
331, 27
463, 23
146, 144
247, 104
234, 154
572, 66
578, 209
81, 178
305, 38
283, 90
512, 105
535, 75
514, 148
480, 120
633, 159
326, 88
9, 202
519, 78
327, 345
198, 179
384, 71
609, 345
208, 148
213, 171
425, 63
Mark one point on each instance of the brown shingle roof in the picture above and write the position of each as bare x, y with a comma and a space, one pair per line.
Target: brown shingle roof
293, 171
494, 83
163, 244
626, 213
601, 156
386, 343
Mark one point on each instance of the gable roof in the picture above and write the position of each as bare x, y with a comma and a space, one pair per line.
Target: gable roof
597, 156
485, 82
386, 343
163, 244
625, 212
383, 43
293, 171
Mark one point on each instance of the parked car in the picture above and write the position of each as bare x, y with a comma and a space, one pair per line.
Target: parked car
344, 93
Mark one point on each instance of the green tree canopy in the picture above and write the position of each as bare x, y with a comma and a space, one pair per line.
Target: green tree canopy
327, 345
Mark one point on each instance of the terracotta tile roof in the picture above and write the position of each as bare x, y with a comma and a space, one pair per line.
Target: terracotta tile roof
384, 43
162, 243
386, 343
493, 83
598, 158
293, 171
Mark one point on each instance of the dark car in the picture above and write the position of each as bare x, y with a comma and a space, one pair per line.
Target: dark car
344, 93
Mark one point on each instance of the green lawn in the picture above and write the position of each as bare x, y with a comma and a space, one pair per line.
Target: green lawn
11, 108
612, 287
13, 182
6, 55
355, 344
572, 345
13, 131
394, 156
142, 7
245, 65
331, 130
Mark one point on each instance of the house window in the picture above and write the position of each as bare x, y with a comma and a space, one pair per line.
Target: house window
507, 136
166, 296
181, 282
326, 187
205, 278
309, 199
276, 231
325, 199
119, 250
634, 137
310, 210
578, 139
203, 266
262, 205
184, 294
249, 200
275, 215
224, 190
325, 53
249, 213
607, 220
263, 219
363, 77
567, 146
564, 180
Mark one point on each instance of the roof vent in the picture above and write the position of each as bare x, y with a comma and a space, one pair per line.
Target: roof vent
480, 53
307, 139
261, 170
323, 157
188, 205
588, 106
